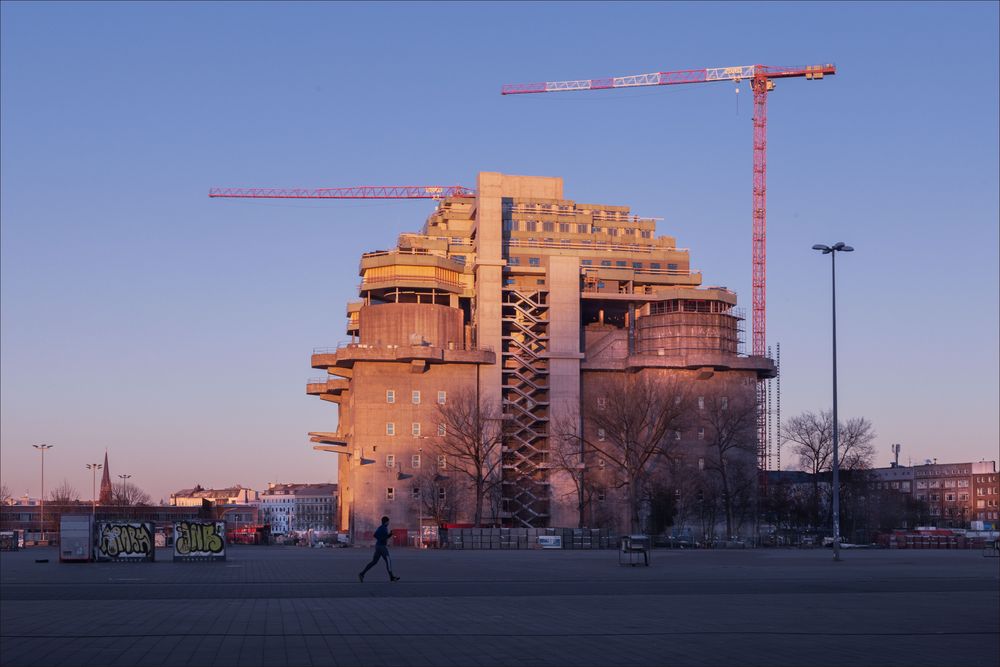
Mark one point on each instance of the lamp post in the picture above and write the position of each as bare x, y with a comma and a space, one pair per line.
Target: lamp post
832, 251
42, 449
124, 496
93, 489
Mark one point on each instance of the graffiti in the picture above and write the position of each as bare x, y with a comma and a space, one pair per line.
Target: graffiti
199, 540
125, 541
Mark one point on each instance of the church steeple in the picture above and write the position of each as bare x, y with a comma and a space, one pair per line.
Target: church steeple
105, 498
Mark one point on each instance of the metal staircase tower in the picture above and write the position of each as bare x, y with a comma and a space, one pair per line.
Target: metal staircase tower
526, 406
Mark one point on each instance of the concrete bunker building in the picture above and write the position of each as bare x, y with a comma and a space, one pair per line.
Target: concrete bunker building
530, 301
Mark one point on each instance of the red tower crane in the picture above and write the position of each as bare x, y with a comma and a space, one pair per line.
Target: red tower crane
360, 192
761, 79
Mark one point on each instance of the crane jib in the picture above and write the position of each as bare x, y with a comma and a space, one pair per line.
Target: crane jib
706, 75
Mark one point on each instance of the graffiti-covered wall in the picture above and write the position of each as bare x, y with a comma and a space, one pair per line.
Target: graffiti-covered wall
199, 540
125, 541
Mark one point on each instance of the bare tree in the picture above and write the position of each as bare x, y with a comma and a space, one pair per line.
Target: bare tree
440, 495
64, 493
631, 427
811, 435
5, 494
471, 442
126, 495
729, 418
567, 456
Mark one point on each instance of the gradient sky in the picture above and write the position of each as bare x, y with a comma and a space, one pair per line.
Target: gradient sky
141, 317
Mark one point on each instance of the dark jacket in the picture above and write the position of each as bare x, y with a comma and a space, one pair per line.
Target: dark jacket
382, 535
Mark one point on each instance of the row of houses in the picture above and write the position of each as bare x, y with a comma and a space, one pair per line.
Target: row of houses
285, 508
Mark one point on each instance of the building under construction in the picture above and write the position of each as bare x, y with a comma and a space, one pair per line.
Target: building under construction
530, 302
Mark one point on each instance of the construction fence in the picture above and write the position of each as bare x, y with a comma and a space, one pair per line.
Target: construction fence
528, 538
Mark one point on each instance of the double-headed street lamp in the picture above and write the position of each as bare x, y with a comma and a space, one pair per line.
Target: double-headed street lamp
93, 491
832, 251
124, 496
42, 449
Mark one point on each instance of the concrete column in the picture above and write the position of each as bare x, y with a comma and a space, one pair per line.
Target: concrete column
564, 374
489, 279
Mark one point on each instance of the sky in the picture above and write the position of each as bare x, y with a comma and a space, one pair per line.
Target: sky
175, 331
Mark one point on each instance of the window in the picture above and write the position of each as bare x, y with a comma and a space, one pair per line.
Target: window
540, 281
701, 432
605, 262
654, 265
621, 262
390, 428
963, 497
600, 496
602, 403
548, 227
415, 493
646, 234
442, 461
600, 434
671, 267
587, 262
563, 227
701, 464
935, 497
581, 229
532, 226
950, 497
963, 483
613, 231
724, 404
442, 397
534, 261
442, 493
949, 484
512, 225
415, 429
921, 484
636, 265
415, 461
701, 402
514, 261
390, 493
390, 460
390, 396
416, 397
442, 430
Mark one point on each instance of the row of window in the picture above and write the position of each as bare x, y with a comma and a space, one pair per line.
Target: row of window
390, 493
566, 228
947, 483
514, 260
390, 396
390, 429
602, 434
390, 461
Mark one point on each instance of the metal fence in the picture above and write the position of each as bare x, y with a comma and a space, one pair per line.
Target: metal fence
527, 538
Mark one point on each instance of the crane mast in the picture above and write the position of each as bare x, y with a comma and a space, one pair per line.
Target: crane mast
761, 79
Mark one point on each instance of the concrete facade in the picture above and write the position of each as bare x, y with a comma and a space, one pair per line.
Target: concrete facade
525, 299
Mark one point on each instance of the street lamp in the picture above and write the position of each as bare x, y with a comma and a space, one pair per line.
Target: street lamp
124, 496
93, 491
42, 449
832, 251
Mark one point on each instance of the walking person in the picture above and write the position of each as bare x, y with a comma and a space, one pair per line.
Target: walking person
382, 535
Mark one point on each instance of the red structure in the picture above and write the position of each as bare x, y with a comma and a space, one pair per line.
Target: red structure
761, 81
360, 192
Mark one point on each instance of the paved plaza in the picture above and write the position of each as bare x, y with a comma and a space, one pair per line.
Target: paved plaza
274, 606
